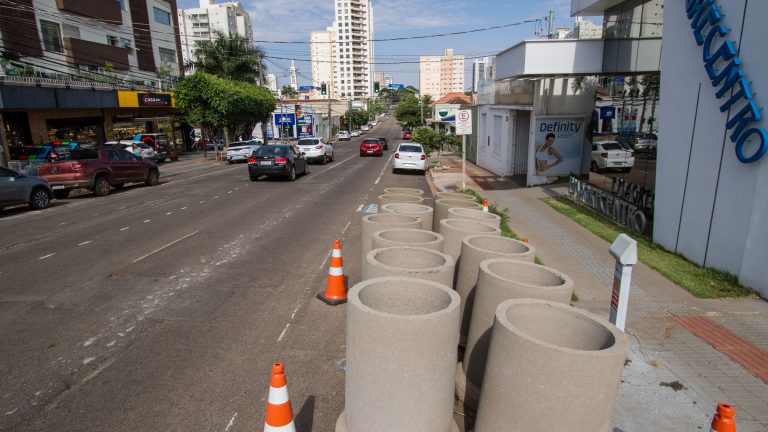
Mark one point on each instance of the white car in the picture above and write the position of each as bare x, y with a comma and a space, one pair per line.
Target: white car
365, 128
242, 150
409, 156
144, 150
356, 133
374, 123
611, 155
316, 150
343, 136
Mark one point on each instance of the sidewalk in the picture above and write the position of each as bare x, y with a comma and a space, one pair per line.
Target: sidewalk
675, 376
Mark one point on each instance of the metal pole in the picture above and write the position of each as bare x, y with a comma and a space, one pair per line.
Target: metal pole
5, 153
421, 108
463, 161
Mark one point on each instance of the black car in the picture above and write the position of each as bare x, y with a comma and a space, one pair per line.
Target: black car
384, 144
283, 160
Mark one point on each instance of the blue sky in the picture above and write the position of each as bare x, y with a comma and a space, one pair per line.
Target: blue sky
292, 20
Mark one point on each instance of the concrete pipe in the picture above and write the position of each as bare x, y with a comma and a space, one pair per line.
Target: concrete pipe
425, 212
442, 206
502, 279
474, 250
551, 367
473, 214
401, 350
405, 191
454, 195
411, 262
378, 222
454, 231
407, 237
399, 199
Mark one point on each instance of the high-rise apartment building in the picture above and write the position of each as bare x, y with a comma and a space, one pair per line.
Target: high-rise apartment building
353, 65
271, 82
196, 24
322, 49
440, 75
585, 29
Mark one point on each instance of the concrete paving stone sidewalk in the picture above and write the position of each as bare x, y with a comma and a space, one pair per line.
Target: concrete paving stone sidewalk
674, 378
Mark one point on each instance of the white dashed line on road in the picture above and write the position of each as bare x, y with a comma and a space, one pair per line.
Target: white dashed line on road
46, 256
202, 202
382, 170
169, 213
283, 333
84, 243
148, 221
124, 228
184, 208
166, 246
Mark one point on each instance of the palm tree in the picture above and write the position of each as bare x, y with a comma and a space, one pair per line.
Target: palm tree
289, 92
230, 57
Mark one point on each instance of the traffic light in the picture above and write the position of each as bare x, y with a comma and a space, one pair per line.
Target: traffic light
324, 89
376, 87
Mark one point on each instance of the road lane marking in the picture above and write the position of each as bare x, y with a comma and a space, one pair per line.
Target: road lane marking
166, 246
346, 228
202, 202
148, 220
84, 243
169, 213
216, 197
125, 228
283, 333
231, 422
47, 256
183, 208
382, 170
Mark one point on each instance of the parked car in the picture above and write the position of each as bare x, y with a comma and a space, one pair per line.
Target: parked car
242, 150
365, 128
611, 155
159, 143
383, 142
344, 136
283, 160
374, 123
409, 156
16, 188
406, 135
217, 145
647, 142
144, 150
371, 147
356, 133
97, 170
316, 150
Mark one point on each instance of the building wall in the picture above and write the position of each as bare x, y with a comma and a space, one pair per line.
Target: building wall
197, 24
353, 68
710, 207
321, 55
440, 75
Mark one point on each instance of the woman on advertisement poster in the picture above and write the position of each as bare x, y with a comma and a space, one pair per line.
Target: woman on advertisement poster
547, 156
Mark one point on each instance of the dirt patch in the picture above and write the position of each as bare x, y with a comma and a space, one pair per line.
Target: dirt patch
674, 385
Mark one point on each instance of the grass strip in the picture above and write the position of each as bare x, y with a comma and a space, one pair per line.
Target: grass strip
699, 281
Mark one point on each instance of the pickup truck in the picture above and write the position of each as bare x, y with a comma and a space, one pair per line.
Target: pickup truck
97, 170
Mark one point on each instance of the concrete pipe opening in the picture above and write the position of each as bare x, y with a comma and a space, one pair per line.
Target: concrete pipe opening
412, 262
474, 214
455, 230
407, 237
442, 206
425, 212
399, 199
522, 273
409, 298
381, 221
454, 195
501, 246
564, 364
404, 191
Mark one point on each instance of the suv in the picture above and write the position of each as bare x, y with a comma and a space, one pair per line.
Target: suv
316, 150
159, 143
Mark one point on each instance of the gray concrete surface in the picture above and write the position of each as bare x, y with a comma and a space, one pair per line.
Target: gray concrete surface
399, 199
455, 230
473, 214
401, 351
381, 221
425, 212
442, 206
414, 262
407, 237
454, 195
559, 365
404, 191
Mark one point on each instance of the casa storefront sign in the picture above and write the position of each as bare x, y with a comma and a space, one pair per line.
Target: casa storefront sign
610, 205
724, 68
135, 99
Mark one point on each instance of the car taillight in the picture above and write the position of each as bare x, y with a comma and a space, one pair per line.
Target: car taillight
319, 147
251, 160
397, 155
77, 166
423, 157
605, 155
281, 160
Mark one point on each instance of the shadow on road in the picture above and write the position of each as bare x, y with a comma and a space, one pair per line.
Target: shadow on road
305, 419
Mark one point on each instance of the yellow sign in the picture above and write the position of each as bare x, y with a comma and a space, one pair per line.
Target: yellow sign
138, 99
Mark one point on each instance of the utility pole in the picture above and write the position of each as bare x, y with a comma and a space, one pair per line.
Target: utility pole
421, 108
551, 24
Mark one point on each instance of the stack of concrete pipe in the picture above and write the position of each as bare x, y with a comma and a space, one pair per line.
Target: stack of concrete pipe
474, 250
425, 212
551, 367
418, 238
404, 191
378, 222
455, 230
401, 351
501, 279
399, 199
474, 214
418, 263
442, 206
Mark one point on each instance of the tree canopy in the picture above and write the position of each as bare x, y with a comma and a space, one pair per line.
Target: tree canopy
409, 111
230, 57
357, 117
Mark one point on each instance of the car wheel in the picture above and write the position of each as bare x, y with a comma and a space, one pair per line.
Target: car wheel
324, 160
593, 166
333, 156
394, 170
101, 186
161, 160
230, 162
254, 178
153, 178
40, 199
292, 174
61, 193
306, 169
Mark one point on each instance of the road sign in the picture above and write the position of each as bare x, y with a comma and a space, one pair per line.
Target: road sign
306, 88
464, 122
396, 86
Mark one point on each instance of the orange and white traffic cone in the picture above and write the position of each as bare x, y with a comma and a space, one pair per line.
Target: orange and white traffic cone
723, 420
525, 240
336, 287
485, 206
279, 416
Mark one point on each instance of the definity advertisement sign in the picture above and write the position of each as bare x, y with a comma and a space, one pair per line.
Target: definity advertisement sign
559, 143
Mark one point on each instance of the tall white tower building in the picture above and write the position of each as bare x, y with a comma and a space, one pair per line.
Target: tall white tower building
293, 75
322, 50
353, 65
196, 24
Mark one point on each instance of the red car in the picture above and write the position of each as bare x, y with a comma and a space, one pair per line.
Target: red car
371, 147
407, 135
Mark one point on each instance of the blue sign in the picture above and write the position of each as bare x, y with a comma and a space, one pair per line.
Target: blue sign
306, 87
285, 119
619, 80
396, 86
723, 67
607, 112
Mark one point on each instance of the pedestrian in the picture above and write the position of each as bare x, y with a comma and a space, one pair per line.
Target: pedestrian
135, 150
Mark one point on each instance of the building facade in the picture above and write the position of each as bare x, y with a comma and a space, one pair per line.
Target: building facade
481, 71
271, 82
353, 66
200, 23
322, 53
440, 75
585, 29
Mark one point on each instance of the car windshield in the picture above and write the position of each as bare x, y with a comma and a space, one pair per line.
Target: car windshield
612, 146
307, 142
271, 150
410, 148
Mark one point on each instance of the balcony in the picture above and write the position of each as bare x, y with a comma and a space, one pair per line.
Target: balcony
83, 52
107, 11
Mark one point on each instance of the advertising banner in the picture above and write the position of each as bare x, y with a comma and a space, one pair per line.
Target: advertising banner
445, 113
305, 126
559, 144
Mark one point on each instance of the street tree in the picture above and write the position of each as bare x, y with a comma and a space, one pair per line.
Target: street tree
427, 137
376, 107
408, 111
357, 117
289, 92
230, 57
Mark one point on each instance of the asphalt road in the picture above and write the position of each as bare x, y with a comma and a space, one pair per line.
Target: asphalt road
162, 308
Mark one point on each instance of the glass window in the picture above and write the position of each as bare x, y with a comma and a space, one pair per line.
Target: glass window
122, 4
612, 146
113, 40
51, 36
167, 56
161, 16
